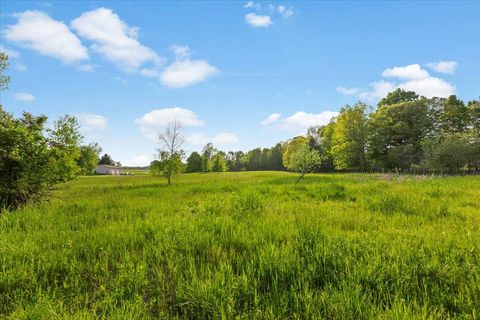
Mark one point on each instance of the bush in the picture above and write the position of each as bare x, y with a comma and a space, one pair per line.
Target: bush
34, 158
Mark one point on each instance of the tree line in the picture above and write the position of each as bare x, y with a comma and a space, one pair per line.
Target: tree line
406, 133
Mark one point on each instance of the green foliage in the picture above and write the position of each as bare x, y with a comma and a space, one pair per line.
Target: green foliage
207, 154
304, 160
88, 159
166, 166
194, 162
107, 160
218, 162
33, 158
397, 131
4, 80
450, 153
349, 140
246, 245
293, 146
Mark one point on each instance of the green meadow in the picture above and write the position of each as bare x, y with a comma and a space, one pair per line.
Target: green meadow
248, 245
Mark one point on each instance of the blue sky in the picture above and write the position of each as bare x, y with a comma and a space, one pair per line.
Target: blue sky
240, 74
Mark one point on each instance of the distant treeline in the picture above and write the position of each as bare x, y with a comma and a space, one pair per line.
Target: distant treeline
406, 133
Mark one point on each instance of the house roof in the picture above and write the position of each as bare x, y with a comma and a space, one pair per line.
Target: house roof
109, 166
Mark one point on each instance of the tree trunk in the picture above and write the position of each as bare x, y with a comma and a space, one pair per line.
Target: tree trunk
299, 178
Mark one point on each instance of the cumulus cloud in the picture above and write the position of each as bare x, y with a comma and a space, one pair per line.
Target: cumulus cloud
37, 31
411, 77
24, 97
410, 72
271, 119
223, 138
300, 121
257, 20
151, 123
114, 39
187, 72
443, 66
284, 11
91, 123
139, 161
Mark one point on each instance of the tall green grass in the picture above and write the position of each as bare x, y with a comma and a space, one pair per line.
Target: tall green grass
246, 246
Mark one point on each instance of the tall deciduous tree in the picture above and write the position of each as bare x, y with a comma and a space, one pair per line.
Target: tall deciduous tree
397, 131
349, 139
218, 162
207, 154
88, 159
194, 162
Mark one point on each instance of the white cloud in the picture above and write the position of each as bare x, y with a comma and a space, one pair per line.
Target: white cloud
91, 123
301, 121
348, 91
85, 67
429, 87
114, 40
181, 52
223, 138
187, 72
271, 119
24, 97
12, 54
285, 12
140, 161
258, 21
411, 77
443, 66
151, 123
410, 72
37, 31
379, 90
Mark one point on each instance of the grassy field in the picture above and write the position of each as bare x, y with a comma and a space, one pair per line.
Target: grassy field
246, 246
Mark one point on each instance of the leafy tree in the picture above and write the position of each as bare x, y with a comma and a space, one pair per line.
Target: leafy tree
170, 153
218, 162
207, 154
303, 160
349, 138
107, 160
33, 158
396, 133
474, 116
235, 161
398, 96
194, 162
88, 159
449, 154
276, 157
167, 165
253, 160
292, 146
4, 80
453, 116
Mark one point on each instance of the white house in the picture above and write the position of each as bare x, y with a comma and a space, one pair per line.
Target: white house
106, 169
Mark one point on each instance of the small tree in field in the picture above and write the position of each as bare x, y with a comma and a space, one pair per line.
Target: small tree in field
169, 161
218, 162
304, 160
